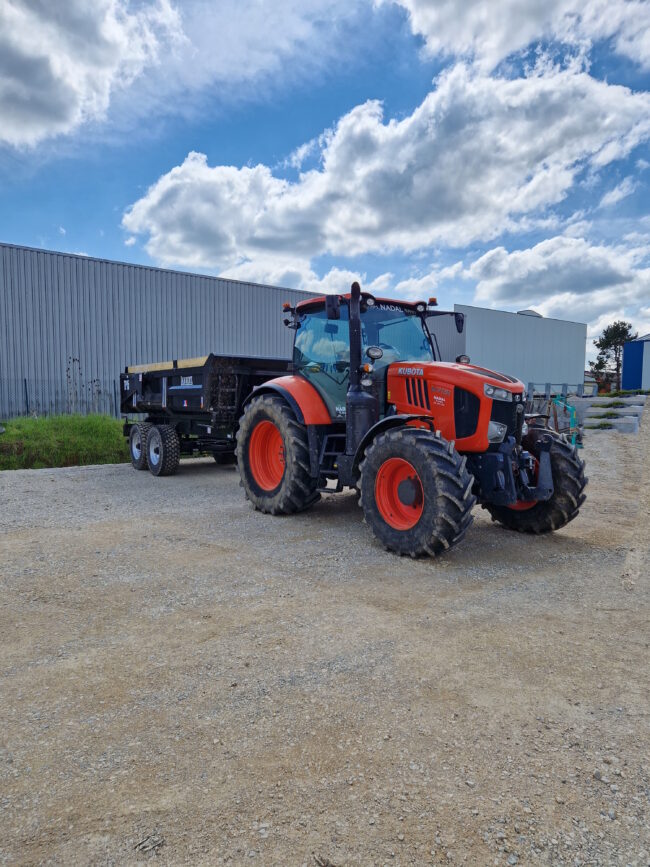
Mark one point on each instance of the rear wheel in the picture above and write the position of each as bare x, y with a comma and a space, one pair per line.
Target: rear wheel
273, 458
569, 482
163, 450
138, 444
416, 492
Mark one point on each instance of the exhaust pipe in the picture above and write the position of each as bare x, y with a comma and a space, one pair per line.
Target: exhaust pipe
362, 408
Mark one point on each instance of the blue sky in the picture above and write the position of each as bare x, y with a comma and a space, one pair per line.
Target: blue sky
425, 146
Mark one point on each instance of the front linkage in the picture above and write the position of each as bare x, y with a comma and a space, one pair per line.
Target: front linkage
508, 474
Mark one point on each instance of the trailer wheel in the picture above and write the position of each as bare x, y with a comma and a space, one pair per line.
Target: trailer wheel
569, 482
416, 492
273, 458
163, 450
138, 444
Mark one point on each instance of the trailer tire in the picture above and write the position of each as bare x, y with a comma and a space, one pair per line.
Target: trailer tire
273, 458
416, 492
163, 450
138, 444
569, 483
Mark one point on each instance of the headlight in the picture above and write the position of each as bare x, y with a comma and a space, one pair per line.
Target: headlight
497, 393
496, 431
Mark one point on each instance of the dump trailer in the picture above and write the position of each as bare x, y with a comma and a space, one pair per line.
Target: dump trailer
187, 406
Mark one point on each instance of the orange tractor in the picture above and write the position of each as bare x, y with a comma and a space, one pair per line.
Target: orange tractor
369, 407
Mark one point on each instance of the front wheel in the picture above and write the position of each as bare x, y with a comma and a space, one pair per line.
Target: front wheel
273, 458
416, 492
569, 482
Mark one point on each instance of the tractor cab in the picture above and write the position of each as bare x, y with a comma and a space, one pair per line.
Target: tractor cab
393, 331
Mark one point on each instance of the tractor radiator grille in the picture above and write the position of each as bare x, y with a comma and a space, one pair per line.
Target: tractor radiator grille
417, 392
510, 414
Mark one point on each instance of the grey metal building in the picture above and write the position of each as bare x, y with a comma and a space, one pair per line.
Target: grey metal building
69, 324
536, 349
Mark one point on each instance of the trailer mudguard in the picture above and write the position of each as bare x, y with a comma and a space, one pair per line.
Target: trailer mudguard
301, 396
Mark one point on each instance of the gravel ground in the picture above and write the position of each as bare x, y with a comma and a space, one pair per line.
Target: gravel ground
185, 679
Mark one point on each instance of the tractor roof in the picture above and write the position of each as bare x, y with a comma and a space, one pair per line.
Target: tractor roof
317, 300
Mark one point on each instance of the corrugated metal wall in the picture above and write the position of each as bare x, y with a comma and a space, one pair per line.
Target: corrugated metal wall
450, 343
534, 349
69, 324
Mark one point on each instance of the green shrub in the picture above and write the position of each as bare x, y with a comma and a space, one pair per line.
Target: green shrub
62, 441
604, 425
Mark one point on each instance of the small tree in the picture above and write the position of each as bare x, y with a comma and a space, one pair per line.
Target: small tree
608, 363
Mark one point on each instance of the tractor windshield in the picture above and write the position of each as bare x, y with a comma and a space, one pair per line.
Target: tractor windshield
398, 331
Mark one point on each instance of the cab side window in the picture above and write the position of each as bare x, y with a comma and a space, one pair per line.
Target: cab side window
324, 342
322, 355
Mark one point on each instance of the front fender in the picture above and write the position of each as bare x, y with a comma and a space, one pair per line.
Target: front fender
384, 424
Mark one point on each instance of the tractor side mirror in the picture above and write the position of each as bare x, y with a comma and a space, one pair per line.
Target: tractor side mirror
332, 306
375, 352
460, 322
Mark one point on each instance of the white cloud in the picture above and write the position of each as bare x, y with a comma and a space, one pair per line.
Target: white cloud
481, 155
626, 187
297, 274
565, 277
61, 62
62, 230
490, 32
130, 241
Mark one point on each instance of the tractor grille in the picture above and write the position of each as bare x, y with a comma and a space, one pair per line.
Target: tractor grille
417, 392
509, 414
466, 410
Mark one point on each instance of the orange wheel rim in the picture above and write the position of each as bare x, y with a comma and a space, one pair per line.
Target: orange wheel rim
266, 455
525, 505
399, 494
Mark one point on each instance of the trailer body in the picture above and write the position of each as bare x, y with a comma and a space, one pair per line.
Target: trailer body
201, 398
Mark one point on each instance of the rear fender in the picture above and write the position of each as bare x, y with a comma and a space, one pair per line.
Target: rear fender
307, 404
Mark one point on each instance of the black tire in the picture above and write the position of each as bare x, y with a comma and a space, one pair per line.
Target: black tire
224, 458
569, 483
445, 491
163, 450
296, 489
138, 444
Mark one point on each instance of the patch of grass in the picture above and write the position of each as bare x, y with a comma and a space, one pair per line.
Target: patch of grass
62, 441
626, 393
604, 425
612, 403
607, 415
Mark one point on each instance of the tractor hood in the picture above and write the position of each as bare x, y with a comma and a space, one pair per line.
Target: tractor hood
466, 400
465, 375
